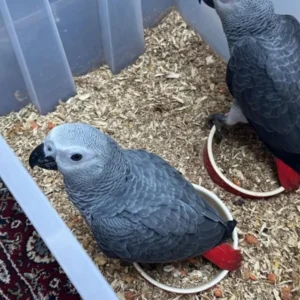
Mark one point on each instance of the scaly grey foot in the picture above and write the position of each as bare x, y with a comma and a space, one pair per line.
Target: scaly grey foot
218, 120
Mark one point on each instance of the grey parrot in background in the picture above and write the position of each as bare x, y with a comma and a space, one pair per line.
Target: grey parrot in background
263, 76
140, 208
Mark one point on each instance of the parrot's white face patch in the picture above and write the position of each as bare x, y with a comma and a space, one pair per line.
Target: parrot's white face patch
227, 1
49, 148
68, 158
73, 158
77, 148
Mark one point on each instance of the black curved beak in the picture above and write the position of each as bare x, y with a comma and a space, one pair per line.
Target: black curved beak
210, 3
38, 158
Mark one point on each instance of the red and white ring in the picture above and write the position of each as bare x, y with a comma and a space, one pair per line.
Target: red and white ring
218, 177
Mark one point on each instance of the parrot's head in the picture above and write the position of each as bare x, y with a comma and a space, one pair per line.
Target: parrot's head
74, 149
241, 12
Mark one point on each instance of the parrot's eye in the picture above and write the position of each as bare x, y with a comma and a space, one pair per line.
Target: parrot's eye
49, 148
76, 157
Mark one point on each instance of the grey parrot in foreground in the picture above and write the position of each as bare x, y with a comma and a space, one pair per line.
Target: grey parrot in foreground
140, 208
263, 76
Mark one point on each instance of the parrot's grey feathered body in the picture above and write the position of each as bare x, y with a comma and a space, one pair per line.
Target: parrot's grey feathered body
263, 76
139, 208
156, 215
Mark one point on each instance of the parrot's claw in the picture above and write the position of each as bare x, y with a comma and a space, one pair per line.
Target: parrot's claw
218, 120
124, 263
148, 267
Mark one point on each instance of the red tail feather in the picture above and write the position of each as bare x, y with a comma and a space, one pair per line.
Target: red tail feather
288, 178
225, 257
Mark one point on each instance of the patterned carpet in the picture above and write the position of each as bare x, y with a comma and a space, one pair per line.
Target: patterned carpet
27, 269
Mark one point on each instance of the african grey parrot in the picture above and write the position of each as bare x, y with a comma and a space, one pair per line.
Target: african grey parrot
140, 208
263, 76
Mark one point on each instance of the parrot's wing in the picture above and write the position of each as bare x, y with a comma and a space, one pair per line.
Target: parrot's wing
119, 237
265, 80
163, 188
128, 238
161, 211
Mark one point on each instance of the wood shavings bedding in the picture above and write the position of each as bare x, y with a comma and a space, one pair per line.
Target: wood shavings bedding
161, 103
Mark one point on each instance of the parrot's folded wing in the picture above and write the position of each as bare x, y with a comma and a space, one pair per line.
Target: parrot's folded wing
160, 218
265, 79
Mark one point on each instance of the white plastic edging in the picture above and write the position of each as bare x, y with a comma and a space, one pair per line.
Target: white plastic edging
71, 256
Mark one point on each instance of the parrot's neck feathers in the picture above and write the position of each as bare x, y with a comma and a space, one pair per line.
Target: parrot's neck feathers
263, 26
